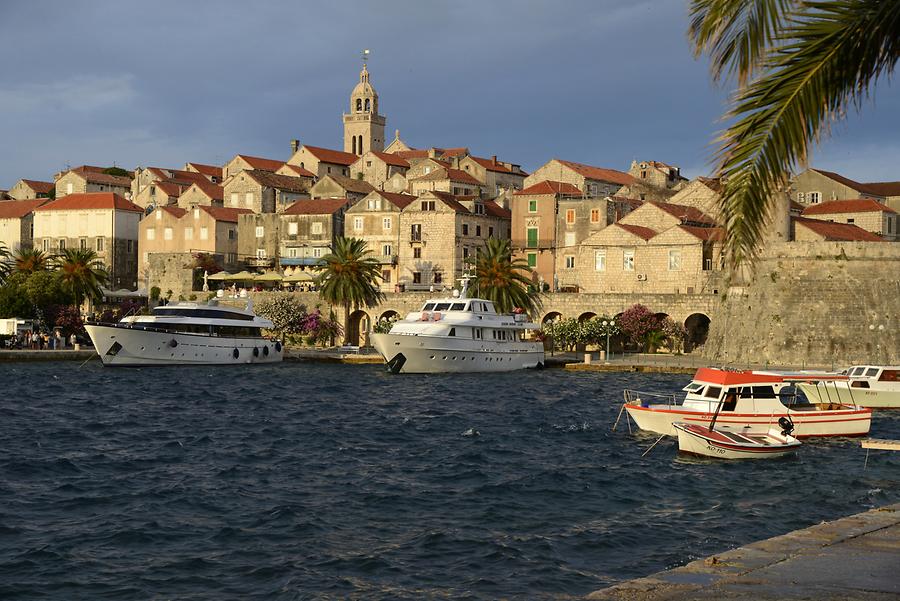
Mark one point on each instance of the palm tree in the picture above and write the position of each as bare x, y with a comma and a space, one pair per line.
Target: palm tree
30, 260
799, 66
4, 263
502, 280
347, 277
82, 274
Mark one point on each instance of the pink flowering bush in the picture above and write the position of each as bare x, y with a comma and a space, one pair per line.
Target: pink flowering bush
638, 323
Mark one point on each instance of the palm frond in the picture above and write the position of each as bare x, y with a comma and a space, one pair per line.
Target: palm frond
832, 56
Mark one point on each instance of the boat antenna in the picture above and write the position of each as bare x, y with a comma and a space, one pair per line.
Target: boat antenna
464, 280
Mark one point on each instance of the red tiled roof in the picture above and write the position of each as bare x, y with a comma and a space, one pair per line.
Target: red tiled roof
453, 152
38, 186
229, 214
638, 230
208, 170
859, 205
682, 212
95, 175
213, 191
713, 183
172, 188
322, 206
279, 182
336, 157
392, 159
399, 200
411, 154
550, 187
599, 173
261, 163
451, 201
16, 209
495, 210
496, 166
458, 175
299, 171
94, 200
178, 212
838, 232
349, 184
448, 173
705, 233
883, 188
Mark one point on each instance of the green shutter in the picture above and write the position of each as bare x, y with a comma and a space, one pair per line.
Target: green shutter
532, 237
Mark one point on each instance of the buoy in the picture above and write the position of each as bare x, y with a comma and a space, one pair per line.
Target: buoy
173, 343
235, 353
278, 346
266, 351
256, 351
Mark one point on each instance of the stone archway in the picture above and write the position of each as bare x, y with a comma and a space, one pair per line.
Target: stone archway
358, 329
697, 326
586, 316
548, 340
552, 316
389, 315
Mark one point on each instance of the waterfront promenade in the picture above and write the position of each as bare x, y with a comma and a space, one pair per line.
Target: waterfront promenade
856, 557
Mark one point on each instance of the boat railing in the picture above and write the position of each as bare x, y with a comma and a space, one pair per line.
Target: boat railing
639, 397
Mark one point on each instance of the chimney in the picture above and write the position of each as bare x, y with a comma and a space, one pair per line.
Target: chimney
295, 146
494, 160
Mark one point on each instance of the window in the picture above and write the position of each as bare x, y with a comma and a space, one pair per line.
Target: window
315, 227
129, 245
248, 199
532, 237
387, 250
570, 239
234, 199
260, 231
415, 233
99, 245
628, 260
46, 245
417, 277
600, 260
438, 277
570, 261
188, 233
231, 234
151, 233
427, 205
62, 245
167, 233
465, 252
387, 223
490, 231
478, 230
570, 215
417, 252
851, 220
293, 228
358, 223
82, 243
261, 253
595, 215
196, 213
532, 260
814, 197
204, 233
674, 260
532, 206
373, 204
292, 253
158, 215
317, 252
465, 229
69, 188
386, 276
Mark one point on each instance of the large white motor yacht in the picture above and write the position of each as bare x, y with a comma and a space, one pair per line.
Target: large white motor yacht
186, 334
459, 334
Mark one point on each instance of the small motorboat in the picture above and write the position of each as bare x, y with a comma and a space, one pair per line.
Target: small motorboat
726, 443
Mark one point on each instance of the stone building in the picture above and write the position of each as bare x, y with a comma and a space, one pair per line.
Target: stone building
338, 186
439, 232
445, 179
495, 176
298, 171
378, 167
653, 180
243, 162
199, 229
104, 222
592, 181
212, 172
322, 161
29, 189
202, 194
363, 126
813, 186
145, 178
817, 230
866, 213
264, 191
159, 194
17, 222
87, 179
375, 219
702, 193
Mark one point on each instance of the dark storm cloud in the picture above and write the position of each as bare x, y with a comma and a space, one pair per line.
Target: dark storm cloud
161, 83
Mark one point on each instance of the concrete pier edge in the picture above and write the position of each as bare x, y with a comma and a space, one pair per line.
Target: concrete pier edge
856, 557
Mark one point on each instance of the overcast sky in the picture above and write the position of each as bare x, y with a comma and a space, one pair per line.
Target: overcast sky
160, 83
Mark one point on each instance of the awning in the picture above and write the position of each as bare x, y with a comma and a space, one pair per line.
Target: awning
268, 277
300, 276
241, 276
299, 261
219, 276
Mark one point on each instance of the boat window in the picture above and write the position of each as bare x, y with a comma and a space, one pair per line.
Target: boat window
452, 332
428, 307
458, 306
693, 387
469, 307
442, 306
859, 384
857, 371
489, 307
764, 392
871, 372
730, 401
205, 313
889, 375
746, 392
713, 392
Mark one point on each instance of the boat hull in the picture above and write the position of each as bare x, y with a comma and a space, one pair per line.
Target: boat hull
438, 354
841, 422
841, 392
134, 346
726, 444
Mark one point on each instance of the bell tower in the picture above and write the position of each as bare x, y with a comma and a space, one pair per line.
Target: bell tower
363, 126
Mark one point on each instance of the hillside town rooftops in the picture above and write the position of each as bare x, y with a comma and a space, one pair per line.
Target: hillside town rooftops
92, 200
682, 212
392, 159
638, 230
176, 212
229, 214
299, 171
492, 164
261, 163
857, 205
208, 170
16, 209
837, 232
398, 199
95, 175
549, 187
211, 190
336, 157
599, 173
360, 186
279, 182
495, 210
322, 206
39, 186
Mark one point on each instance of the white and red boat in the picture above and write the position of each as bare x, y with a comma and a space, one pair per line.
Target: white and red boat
727, 444
750, 402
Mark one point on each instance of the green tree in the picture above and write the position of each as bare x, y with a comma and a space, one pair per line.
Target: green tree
31, 260
44, 289
13, 300
348, 277
5, 267
81, 274
502, 280
118, 171
799, 66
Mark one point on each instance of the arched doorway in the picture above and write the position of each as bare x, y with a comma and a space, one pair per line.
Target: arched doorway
586, 316
389, 315
358, 329
552, 316
697, 326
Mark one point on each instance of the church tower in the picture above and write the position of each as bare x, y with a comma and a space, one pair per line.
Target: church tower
363, 126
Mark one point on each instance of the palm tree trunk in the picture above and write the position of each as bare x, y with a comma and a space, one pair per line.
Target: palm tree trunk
346, 323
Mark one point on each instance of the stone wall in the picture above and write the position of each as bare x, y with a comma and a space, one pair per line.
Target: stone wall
171, 271
822, 303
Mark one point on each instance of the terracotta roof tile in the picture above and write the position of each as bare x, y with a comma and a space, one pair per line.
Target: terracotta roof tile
838, 232
451, 201
94, 200
453, 152
335, 157
495, 210
16, 209
496, 166
177, 212
229, 214
280, 182
705, 233
90, 174
39, 187
883, 188
208, 170
298, 171
322, 206
599, 173
213, 191
638, 230
550, 187
858, 205
399, 200
392, 159
172, 188
261, 163
685, 213
713, 183
411, 154
360, 186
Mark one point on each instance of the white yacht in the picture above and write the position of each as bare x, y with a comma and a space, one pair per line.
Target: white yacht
875, 386
186, 334
459, 334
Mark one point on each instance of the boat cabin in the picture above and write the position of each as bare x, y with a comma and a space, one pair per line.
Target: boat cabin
861, 376
739, 391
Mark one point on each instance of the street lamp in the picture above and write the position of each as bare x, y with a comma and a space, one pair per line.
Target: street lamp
606, 326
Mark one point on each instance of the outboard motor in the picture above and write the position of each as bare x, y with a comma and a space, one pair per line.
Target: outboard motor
786, 424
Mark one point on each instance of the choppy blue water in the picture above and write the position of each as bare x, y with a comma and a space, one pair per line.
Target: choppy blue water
343, 482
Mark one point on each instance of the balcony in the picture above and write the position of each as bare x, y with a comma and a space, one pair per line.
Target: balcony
259, 261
